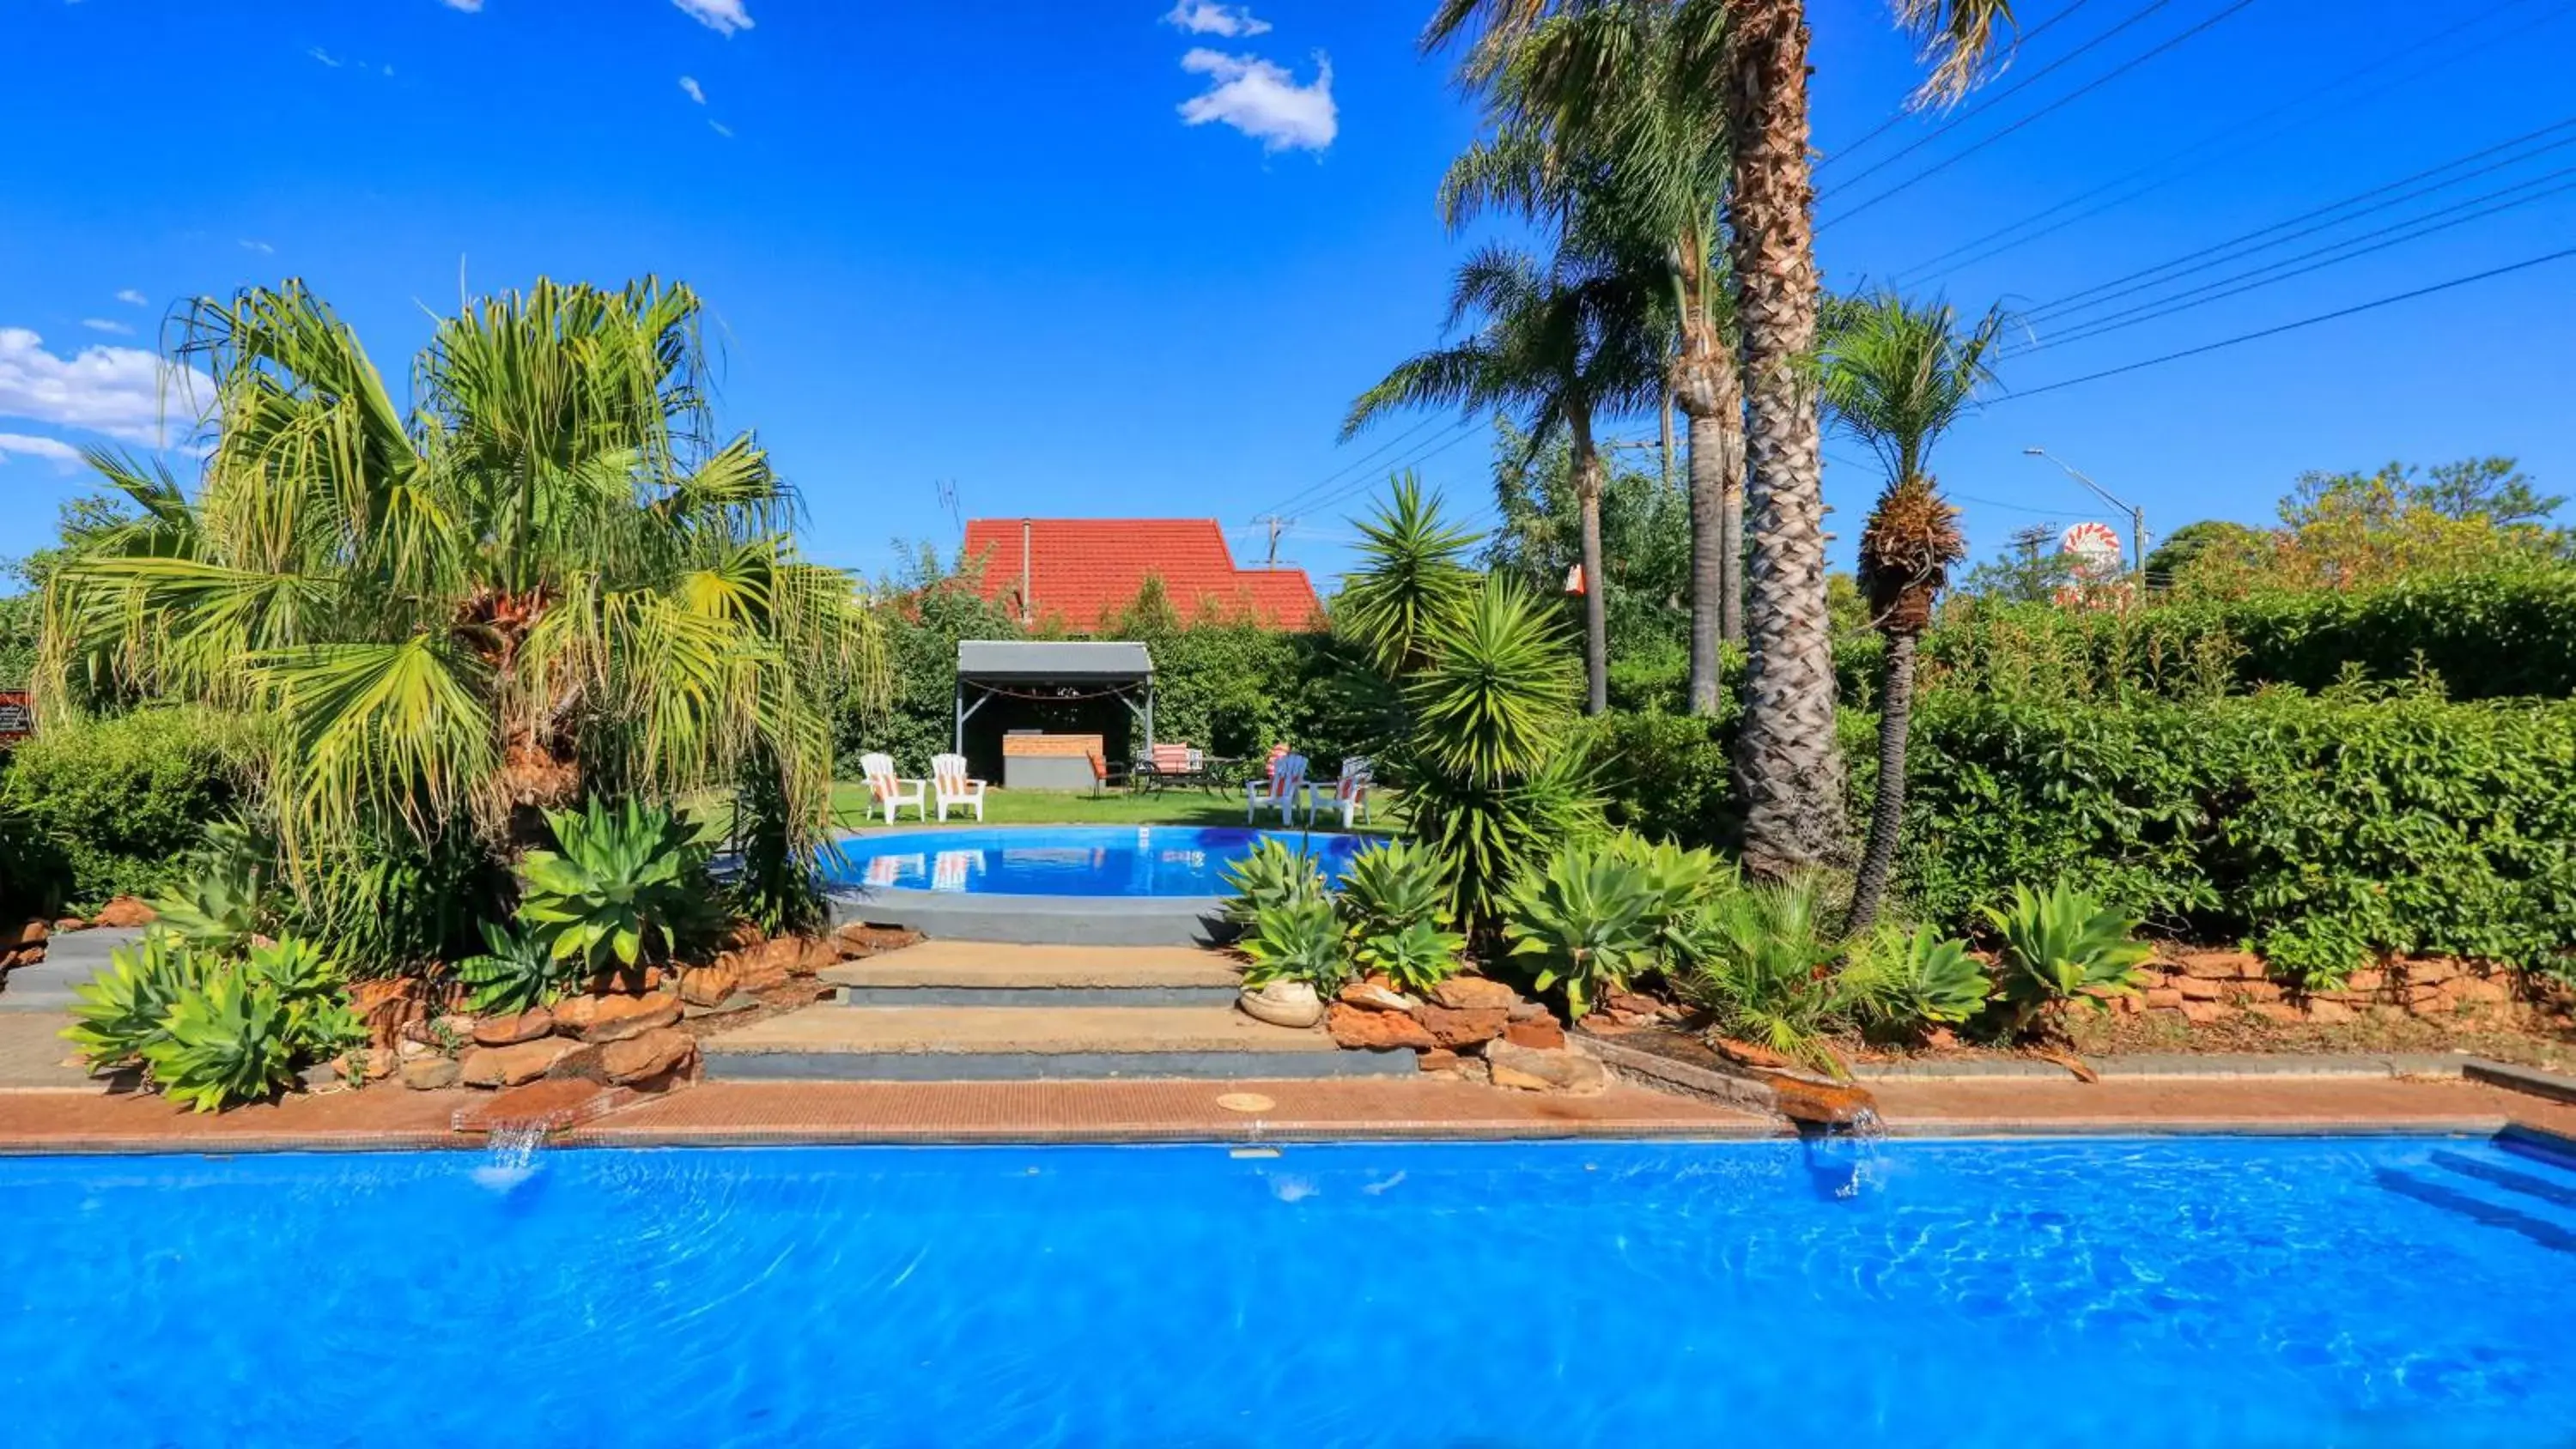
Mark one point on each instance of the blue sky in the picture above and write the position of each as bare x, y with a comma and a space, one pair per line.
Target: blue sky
1097, 257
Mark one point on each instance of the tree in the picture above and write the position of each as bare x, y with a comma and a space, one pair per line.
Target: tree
1753, 55
2363, 530
1645, 539
1897, 375
2029, 570
545, 580
2188, 543
1560, 345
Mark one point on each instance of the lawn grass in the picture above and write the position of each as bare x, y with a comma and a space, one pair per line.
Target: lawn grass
850, 808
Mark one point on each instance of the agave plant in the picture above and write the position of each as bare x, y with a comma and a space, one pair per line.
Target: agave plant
1416, 958
1763, 963
221, 903
2063, 944
1909, 978
1678, 879
229, 1040
1589, 922
1272, 873
1387, 888
1297, 940
623, 886
125, 1010
514, 973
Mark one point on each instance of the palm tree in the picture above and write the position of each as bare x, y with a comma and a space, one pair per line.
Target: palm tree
1752, 54
1897, 376
1610, 98
1562, 346
547, 578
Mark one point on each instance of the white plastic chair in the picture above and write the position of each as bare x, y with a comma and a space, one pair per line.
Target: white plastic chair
886, 789
1279, 792
1351, 793
950, 783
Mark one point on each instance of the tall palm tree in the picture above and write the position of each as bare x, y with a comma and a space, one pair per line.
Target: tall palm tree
1602, 122
1753, 55
547, 577
1897, 376
1560, 345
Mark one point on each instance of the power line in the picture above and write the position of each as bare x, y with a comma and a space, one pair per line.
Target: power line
2168, 306
2523, 265
2059, 104
2004, 238
1903, 113
2076, 301
1344, 471
1466, 428
1993, 100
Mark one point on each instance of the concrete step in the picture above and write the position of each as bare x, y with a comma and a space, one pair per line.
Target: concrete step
1013, 1043
1035, 920
971, 973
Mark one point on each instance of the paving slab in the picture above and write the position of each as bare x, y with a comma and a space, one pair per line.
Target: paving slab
33, 1054
968, 1029
71, 959
968, 973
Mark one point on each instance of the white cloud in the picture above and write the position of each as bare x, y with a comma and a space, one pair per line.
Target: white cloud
102, 324
696, 92
62, 455
261, 247
124, 392
468, 6
324, 56
722, 16
1214, 17
721, 129
133, 298
1263, 101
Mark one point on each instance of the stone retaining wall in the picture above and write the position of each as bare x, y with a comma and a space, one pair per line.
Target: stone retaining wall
2210, 986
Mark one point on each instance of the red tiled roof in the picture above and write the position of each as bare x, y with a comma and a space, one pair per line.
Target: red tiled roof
1086, 569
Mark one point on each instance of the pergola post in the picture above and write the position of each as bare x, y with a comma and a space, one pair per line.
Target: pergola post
960, 746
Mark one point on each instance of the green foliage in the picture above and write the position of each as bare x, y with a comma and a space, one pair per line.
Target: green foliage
125, 1009
1667, 776
121, 801
1272, 874
2319, 829
1761, 960
1416, 957
1645, 544
1410, 581
1297, 940
1390, 887
1589, 922
514, 972
2061, 945
227, 1041
223, 900
626, 885
1910, 978
214, 1028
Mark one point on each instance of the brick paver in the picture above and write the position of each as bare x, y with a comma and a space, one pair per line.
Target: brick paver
1936, 1108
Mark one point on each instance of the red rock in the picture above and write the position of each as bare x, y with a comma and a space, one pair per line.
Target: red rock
1474, 993
494, 1031
760, 968
2221, 965
546, 1106
2368, 978
742, 935
2484, 989
428, 1074
656, 1052
508, 1066
2257, 990
1529, 1070
2164, 996
1819, 1104
1375, 995
32, 933
2328, 1012
125, 911
1462, 1027
379, 1063
1539, 1033
617, 1018
70, 923
708, 985
2203, 1013
2431, 969
1438, 1059
1750, 1054
2280, 1011
573, 1013
2201, 988
1354, 1026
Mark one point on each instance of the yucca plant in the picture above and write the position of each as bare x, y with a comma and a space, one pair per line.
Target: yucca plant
2060, 945
125, 1009
1416, 958
1297, 940
624, 887
1412, 575
1906, 979
1763, 961
1272, 873
514, 972
1587, 922
229, 1040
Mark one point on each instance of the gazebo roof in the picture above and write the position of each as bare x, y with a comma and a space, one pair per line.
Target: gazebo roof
1051, 661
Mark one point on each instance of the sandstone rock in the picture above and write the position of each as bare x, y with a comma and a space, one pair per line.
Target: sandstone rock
2431, 970
1820, 1104
1750, 1054
1539, 1033
322, 1077
2278, 1011
1525, 1010
813, 953
1375, 995
1530, 1070
574, 1013
379, 1063
1354, 1026
1438, 1059
764, 967
70, 923
742, 935
618, 1017
2203, 1013
547, 1106
1632, 1003
407, 1049
582, 1064
31, 933
508, 1066
125, 911
428, 1074
2221, 966
708, 985
2328, 1012
2257, 990
650, 1055
1474, 993
2368, 978
454, 1026
739, 1001
1282, 1003
494, 1031
1462, 1026
2481, 989
2201, 988
2163, 996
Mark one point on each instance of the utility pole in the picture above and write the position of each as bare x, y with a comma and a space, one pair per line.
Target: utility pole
2137, 515
1277, 526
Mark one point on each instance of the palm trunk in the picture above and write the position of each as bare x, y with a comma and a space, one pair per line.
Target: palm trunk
1785, 756
1887, 816
1596, 610
1730, 549
1710, 392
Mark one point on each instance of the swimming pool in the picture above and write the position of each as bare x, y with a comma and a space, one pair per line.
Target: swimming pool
1070, 860
2164, 1292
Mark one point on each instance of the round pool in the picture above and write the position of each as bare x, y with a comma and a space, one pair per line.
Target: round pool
1070, 860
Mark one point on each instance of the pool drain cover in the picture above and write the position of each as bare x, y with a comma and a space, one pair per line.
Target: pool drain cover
1245, 1102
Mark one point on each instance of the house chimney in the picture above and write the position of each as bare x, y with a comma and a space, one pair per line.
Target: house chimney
1028, 606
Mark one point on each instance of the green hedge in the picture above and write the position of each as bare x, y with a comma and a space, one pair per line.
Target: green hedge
116, 802
2484, 636
2320, 829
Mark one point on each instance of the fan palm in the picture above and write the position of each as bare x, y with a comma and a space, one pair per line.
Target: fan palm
1752, 55
546, 578
1897, 375
1563, 347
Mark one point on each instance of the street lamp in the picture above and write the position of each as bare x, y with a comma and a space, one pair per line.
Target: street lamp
2137, 516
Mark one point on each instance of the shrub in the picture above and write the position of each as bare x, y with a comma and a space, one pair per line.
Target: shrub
1589, 921
1761, 959
214, 1030
1272, 873
626, 886
1667, 776
124, 799
1416, 958
513, 973
222, 902
2060, 945
1297, 940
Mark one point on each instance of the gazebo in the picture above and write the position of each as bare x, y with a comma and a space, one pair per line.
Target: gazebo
1056, 706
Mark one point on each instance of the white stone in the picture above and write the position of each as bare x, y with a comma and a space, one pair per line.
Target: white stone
1282, 1003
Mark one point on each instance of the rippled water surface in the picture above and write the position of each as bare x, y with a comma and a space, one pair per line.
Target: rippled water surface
1072, 860
2151, 1292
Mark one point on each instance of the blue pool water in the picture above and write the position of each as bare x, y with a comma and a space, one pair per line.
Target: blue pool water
2167, 1292
1071, 860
